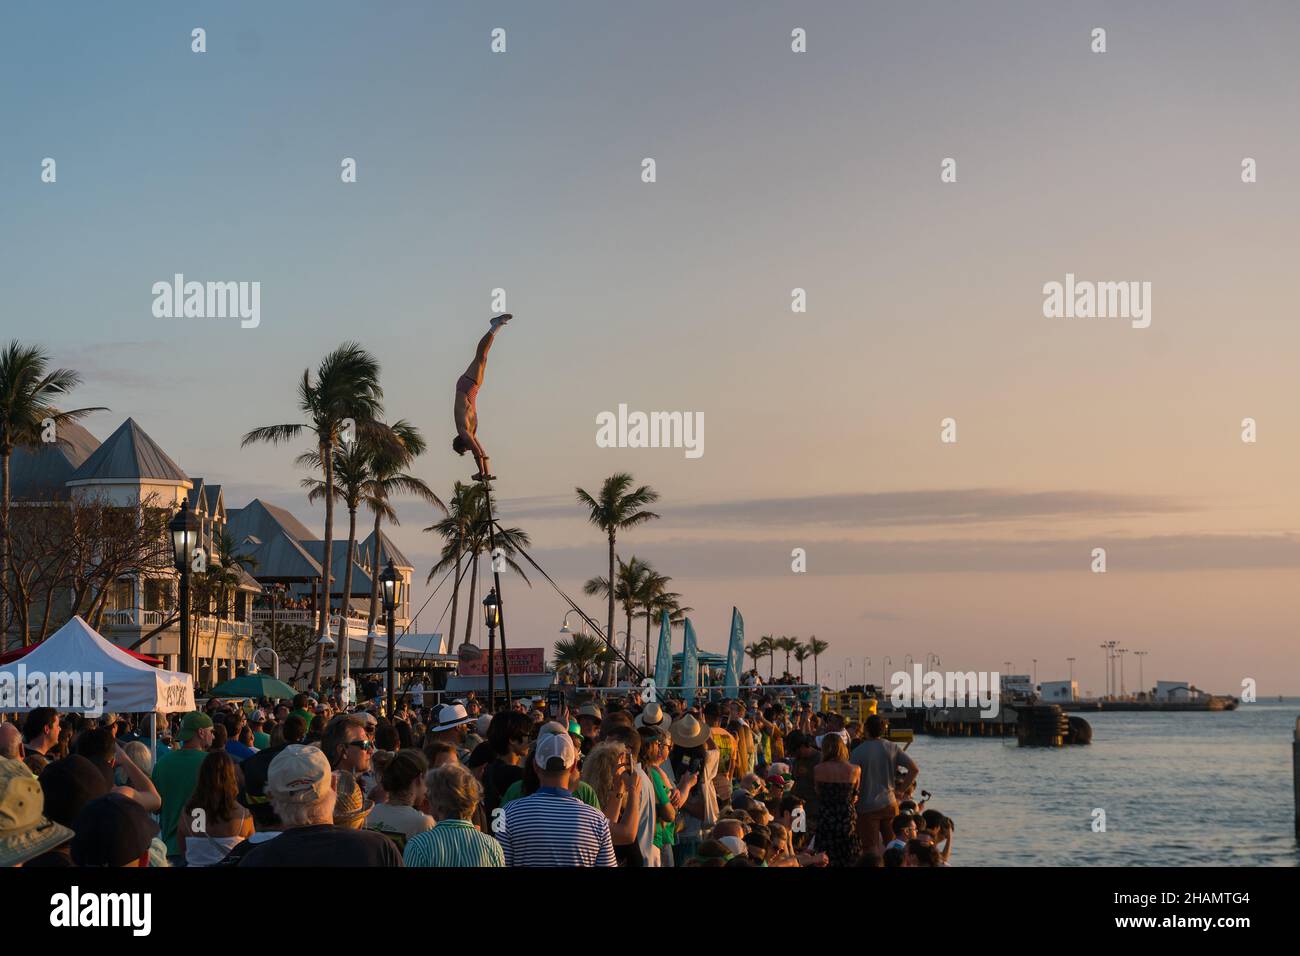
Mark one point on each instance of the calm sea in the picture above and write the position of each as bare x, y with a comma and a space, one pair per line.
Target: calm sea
1191, 789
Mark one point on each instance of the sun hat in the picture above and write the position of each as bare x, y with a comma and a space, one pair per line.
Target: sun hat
300, 774
590, 710
25, 831
112, 830
689, 732
352, 801
652, 715
192, 723
555, 753
482, 724
450, 716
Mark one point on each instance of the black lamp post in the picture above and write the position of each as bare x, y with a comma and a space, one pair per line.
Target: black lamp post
491, 617
185, 528
388, 581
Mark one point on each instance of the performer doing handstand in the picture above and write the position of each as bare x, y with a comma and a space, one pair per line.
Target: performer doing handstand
466, 411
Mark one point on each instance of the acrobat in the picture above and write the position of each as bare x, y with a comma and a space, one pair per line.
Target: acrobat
466, 410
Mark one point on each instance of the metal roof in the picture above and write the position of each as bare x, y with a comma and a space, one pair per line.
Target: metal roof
129, 453
44, 470
265, 521
386, 550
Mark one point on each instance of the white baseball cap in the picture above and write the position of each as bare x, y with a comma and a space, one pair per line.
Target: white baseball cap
552, 748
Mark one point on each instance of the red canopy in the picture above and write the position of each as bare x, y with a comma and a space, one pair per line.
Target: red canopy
10, 656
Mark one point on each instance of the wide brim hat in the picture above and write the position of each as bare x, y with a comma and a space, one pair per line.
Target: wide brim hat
451, 716
25, 831
689, 732
652, 715
352, 801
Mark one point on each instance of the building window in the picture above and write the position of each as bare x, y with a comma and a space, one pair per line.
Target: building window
158, 594
122, 597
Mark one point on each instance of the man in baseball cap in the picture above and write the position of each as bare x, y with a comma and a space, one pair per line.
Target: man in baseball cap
301, 785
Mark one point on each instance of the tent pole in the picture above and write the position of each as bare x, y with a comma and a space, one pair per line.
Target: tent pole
153, 739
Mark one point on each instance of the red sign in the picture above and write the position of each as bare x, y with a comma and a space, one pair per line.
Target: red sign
523, 660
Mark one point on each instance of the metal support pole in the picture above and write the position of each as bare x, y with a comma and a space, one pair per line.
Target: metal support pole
496, 580
392, 651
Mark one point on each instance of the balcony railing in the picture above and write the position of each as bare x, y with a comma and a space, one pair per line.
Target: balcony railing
202, 623
307, 618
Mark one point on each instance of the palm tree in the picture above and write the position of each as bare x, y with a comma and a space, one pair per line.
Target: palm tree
222, 574
816, 648
346, 389
27, 387
787, 644
757, 651
454, 529
614, 509
629, 588
388, 478
801, 654
575, 655
352, 477
467, 535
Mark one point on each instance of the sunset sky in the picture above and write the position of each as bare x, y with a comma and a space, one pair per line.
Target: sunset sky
775, 170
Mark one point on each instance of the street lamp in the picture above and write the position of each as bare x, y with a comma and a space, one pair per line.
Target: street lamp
492, 617
388, 583
1142, 687
885, 662
185, 528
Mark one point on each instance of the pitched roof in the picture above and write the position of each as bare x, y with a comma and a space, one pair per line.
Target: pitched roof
386, 550
265, 521
129, 453
42, 471
282, 557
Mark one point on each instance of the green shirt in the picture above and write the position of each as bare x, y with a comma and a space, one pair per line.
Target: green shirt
665, 830
453, 843
175, 777
260, 740
583, 791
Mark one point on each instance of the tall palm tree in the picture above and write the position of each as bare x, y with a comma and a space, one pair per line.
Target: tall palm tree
801, 654
388, 478
346, 389
222, 575
816, 648
768, 643
787, 644
576, 654
629, 586
616, 507
28, 386
757, 651
454, 529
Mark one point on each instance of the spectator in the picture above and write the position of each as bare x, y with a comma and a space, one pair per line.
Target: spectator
551, 827
454, 796
879, 785
403, 781
177, 774
301, 787
41, 730
213, 821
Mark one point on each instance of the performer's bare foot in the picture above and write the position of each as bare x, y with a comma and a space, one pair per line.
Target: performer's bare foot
500, 320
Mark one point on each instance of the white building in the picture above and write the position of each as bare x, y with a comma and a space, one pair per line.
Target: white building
1057, 691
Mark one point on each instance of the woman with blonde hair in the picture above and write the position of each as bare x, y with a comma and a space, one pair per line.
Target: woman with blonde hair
836, 781
608, 770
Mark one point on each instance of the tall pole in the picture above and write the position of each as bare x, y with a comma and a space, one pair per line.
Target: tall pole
1071, 661
492, 665
496, 581
391, 613
187, 664
1142, 684
885, 663
1121, 652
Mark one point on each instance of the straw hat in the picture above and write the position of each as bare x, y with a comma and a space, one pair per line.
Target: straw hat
652, 715
689, 732
352, 803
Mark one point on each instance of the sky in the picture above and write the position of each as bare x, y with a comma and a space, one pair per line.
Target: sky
775, 170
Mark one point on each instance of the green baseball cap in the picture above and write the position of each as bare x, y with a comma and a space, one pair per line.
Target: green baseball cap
192, 723
575, 728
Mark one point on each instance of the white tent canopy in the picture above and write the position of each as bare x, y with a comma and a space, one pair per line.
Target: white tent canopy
76, 655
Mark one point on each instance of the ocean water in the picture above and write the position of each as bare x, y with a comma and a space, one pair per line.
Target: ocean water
1178, 789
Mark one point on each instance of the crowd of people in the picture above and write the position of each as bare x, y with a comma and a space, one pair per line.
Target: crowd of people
754, 782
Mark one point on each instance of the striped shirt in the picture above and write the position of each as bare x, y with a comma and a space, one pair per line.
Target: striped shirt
552, 827
453, 843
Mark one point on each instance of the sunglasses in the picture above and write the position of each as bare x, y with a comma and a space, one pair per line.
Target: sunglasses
363, 744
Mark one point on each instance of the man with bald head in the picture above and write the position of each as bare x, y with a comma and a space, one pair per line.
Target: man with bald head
11, 741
